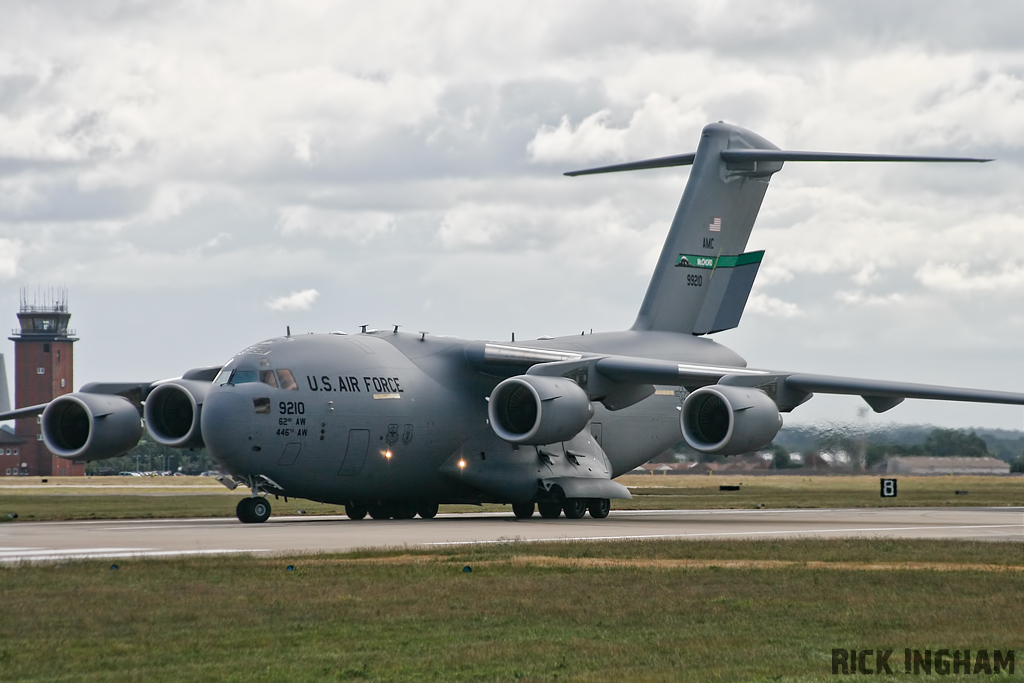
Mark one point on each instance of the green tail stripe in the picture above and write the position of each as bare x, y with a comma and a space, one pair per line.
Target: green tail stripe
710, 262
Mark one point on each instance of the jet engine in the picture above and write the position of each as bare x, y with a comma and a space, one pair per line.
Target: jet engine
729, 420
173, 410
91, 426
537, 410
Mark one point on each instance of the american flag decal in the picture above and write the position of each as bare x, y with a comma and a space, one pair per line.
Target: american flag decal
716, 225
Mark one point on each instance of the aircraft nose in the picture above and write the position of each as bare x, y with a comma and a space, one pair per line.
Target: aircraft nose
225, 425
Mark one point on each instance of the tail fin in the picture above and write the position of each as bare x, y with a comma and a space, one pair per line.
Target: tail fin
703, 278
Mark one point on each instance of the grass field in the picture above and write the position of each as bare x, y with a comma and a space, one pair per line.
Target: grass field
163, 497
637, 611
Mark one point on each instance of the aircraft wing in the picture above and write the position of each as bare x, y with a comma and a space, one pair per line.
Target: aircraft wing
135, 392
608, 375
28, 411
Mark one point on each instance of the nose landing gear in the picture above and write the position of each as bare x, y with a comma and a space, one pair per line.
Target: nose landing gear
253, 510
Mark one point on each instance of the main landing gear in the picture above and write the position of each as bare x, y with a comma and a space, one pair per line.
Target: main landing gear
253, 510
574, 508
392, 509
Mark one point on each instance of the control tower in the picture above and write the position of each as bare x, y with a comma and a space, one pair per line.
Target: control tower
43, 370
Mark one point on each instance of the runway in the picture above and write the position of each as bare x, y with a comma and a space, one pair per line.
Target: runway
52, 541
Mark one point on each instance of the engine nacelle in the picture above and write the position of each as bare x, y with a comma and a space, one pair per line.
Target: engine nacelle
91, 426
537, 410
173, 412
729, 420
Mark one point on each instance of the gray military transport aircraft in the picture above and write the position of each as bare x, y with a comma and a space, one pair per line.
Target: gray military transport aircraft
391, 424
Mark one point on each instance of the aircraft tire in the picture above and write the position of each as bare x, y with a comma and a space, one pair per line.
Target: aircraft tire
253, 510
355, 512
574, 508
244, 511
550, 510
599, 507
522, 510
403, 509
380, 511
426, 509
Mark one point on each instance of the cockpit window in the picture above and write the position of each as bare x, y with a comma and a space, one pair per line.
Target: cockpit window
243, 377
286, 381
267, 377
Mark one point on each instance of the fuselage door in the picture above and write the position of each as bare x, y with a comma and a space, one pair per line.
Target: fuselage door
355, 452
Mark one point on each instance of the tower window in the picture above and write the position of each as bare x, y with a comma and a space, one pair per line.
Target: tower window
46, 347
62, 383
40, 371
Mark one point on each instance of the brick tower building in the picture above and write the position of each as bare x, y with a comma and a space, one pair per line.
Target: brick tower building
43, 370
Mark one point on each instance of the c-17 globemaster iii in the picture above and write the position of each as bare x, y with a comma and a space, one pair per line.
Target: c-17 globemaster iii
392, 424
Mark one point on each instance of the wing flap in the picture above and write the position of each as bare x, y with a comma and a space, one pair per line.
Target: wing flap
826, 384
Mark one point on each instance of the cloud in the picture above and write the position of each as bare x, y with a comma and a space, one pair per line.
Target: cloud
10, 252
859, 298
160, 156
357, 226
957, 278
296, 301
762, 304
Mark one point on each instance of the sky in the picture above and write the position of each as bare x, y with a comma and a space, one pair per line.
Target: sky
201, 175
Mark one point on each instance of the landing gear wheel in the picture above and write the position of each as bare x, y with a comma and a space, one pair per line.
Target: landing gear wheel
405, 509
522, 510
355, 512
379, 511
575, 508
426, 509
260, 510
253, 510
243, 511
550, 510
599, 507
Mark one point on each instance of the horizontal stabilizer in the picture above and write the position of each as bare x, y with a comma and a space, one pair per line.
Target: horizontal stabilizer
740, 155
743, 155
660, 162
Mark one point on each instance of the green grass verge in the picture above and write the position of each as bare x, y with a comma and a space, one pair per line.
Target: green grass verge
663, 492
416, 616
126, 498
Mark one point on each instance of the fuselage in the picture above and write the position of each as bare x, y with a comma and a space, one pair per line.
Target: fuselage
375, 416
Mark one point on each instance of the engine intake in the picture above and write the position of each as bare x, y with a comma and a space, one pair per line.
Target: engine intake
538, 410
91, 426
173, 413
729, 420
